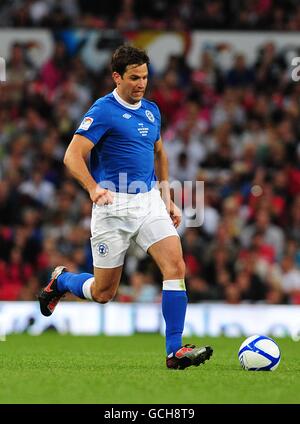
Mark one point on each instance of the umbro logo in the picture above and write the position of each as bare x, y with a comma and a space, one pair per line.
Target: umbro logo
126, 116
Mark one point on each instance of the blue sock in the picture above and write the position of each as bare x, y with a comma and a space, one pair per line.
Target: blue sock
174, 303
68, 281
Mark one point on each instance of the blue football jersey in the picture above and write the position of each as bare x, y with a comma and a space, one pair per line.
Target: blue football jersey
124, 136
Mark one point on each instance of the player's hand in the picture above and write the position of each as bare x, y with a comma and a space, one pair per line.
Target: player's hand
101, 196
175, 214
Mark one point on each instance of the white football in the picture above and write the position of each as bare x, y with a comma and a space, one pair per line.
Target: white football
259, 353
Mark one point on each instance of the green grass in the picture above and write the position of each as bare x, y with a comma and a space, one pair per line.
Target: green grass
53, 368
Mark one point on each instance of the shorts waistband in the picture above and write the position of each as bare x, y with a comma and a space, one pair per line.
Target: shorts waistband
119, 195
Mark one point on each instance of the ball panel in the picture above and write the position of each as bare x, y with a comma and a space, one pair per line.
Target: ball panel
255, 360
243, 361
268, 346
247, 341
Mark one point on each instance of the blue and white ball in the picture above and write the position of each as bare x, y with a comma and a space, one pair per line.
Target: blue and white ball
259, 353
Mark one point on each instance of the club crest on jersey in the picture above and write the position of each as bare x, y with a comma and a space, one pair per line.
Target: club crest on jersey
86, 123
149, 115
102, 249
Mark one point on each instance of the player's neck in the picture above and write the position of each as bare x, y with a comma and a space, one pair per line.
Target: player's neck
124, 103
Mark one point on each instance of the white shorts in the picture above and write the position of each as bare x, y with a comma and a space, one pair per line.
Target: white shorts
141, 217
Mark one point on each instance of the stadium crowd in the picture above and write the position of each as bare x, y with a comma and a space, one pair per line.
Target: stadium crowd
128, 15
235, 129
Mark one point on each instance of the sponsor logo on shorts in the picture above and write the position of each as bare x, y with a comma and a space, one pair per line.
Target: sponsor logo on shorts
102, 249
149, 115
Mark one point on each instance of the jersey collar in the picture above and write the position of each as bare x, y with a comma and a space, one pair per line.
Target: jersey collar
125, 104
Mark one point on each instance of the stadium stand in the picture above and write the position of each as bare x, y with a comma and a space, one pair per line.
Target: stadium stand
235, 129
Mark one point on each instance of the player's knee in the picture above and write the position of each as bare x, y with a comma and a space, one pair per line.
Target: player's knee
174, 269
103, 297
180, 268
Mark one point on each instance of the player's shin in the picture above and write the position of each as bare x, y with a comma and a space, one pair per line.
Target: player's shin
78, 284
174, 303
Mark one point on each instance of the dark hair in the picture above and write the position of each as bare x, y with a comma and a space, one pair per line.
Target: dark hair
128, 55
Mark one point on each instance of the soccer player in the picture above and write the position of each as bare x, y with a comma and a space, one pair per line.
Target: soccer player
121, 132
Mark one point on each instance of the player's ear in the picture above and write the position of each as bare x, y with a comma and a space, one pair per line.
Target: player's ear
116, 77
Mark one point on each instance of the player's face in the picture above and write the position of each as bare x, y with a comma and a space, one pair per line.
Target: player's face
131, 87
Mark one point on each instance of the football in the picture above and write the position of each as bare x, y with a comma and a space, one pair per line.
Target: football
259, 353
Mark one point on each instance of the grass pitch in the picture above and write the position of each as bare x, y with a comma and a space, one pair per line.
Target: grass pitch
54, 368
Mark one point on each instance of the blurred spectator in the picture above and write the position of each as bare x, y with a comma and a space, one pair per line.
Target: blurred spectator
193, 247
14, 275
240, 75
228, 110
293, 224
273, 235
153, 14
290, 279
168, 95
55, 70
197, 289
249, 283
38, 189
19, 71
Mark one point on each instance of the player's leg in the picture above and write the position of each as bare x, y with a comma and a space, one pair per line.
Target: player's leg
158, 237
103, 287
109, 243
167, 253
100, 287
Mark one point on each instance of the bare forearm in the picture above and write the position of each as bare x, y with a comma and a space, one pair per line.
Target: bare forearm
162, 173
162, 167
79, 170
74, 159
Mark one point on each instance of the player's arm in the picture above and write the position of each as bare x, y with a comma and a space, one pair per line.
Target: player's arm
162, 173
75, 160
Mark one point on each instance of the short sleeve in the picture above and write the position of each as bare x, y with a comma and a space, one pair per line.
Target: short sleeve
158, 117
95, 123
